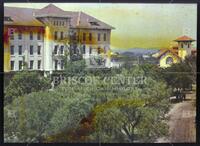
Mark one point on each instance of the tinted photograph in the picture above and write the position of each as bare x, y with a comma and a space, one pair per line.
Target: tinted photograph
99, 73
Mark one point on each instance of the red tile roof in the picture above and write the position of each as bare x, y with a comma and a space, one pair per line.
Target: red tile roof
164, 51
184, 38
28, 16
51, 10
21, 16
82, 20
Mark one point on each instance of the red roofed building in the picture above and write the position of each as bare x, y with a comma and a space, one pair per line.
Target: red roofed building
39, 36
177, 52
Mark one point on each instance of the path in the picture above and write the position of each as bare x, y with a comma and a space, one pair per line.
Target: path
182, 121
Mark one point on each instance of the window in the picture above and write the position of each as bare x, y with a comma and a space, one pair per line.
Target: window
19, 35
62, 50
31, 50
12, 65
39, 50
90, 36
75, 36
104, 36
11, 33
39, 36
20, 50
55, 35
62, 64
105, 48
94, 23
63, 23
83, 49
99, 50
39, 64
54, 23
169, 60
31, 64
12, 51
61, 35
84, 36
99, 37
56, 64
56, 49
31, 35
7, 19
188, 45
181, 45
20, 65
90, 50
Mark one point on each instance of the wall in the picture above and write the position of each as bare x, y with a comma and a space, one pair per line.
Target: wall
25, 42
162, 61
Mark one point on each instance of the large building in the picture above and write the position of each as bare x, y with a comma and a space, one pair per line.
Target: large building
40, 37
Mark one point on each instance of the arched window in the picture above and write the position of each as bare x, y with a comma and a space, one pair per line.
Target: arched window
169, 60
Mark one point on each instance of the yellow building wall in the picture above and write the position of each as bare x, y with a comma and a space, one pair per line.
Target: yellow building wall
24, 30
162, 61
182, 53
6, 50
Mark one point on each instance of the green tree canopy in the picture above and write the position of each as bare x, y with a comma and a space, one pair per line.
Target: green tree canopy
25, 82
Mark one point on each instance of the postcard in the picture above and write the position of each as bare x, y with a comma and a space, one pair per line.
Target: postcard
100, 73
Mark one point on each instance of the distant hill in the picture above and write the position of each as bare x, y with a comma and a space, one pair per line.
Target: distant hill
135, 51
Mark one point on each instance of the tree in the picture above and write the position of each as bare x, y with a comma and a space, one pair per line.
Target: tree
32, 115
179, 75
119, 115
190, 61
128, 117
127, 120
25, 82
75, 68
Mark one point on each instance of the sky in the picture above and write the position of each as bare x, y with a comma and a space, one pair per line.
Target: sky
137, 25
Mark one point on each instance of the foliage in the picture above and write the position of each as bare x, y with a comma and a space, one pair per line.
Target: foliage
123, 110
32, 115
75, 68
179, 75
25, 82
190, 61
130, 120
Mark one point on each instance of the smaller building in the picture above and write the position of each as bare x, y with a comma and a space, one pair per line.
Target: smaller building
175, 54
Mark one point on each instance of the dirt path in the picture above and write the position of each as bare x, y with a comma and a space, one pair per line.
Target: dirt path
182, 121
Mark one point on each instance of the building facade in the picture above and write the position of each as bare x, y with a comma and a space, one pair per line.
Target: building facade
39, 38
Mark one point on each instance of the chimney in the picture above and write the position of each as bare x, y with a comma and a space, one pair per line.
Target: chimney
79, 19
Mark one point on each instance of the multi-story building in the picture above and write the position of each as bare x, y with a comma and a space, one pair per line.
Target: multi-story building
40, 37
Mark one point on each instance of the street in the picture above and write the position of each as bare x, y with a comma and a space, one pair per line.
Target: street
182, 121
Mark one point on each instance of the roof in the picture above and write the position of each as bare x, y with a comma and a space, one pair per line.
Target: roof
184, 38
28, 16
83, 20
164, 51
50, 10
21, 16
